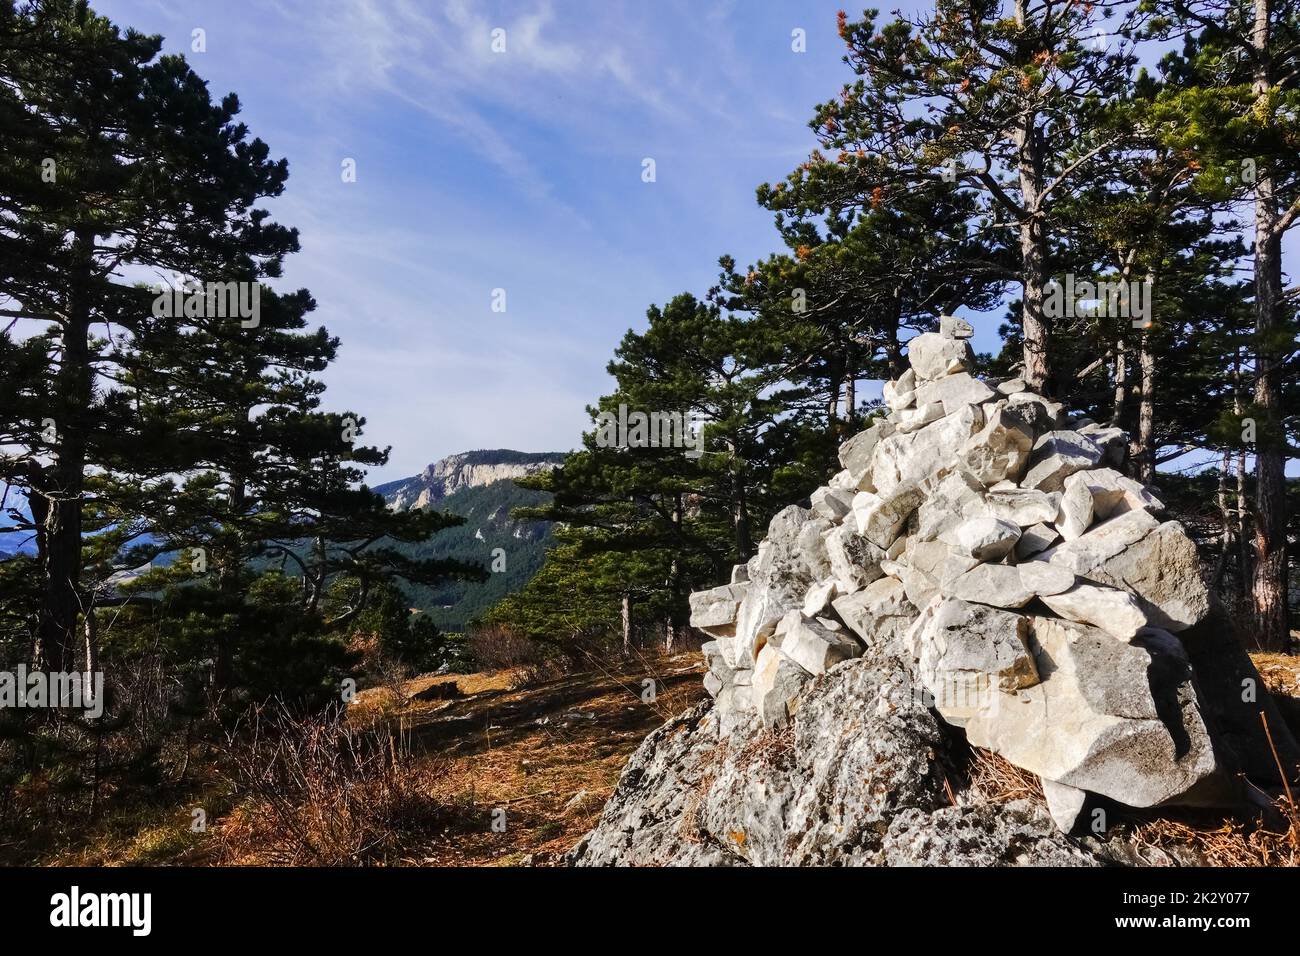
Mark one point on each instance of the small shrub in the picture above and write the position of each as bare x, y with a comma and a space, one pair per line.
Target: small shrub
318, 791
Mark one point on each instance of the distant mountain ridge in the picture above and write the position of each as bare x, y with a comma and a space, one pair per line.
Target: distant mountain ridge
470, 469
480, 487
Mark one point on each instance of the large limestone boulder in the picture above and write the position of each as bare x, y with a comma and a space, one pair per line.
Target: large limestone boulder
1157, 563
985, 835
1163, 572
860, 754
1135, 733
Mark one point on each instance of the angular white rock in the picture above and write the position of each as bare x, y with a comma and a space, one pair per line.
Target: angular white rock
1113, 442
952, 327
896, 397
714, 611
832, 503
1035, 540
1113, 493
819, 597
987, 539
968, 653
1056, 456
855, 561
843, 480
1037, 412
999, 450
812, 646
997, 584
1101, 542
933, 355
956, 497
1023, 506
923, 456
909, 420
878, 613
1161, 570
855, 454
775, 686
1044, 579
1115, 612
1076, 509
1064, 804
879, 518
953, 391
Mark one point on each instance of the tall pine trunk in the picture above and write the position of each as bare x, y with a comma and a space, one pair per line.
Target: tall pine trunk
57, 620
1120, 401
1033, 246
1269, 585
1146, 425
1225, 521
627, 623
674, 581
893, 349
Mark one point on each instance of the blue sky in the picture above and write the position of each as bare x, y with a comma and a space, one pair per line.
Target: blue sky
521, 171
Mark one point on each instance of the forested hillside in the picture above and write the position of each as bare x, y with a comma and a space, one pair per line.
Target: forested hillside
489, 536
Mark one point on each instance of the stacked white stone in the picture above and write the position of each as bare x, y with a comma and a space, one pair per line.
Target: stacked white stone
983, 535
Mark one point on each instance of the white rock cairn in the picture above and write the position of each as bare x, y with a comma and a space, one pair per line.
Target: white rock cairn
987, 538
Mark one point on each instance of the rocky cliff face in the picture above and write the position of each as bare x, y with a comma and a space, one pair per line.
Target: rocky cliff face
471, 469
980, 574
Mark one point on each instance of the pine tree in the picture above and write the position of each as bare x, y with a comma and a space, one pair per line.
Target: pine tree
151, 417
987, 103
1241, 118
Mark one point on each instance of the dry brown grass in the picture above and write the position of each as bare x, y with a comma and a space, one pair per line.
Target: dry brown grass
1281, 673
528, 752
319, 791
1226, 842
996, 779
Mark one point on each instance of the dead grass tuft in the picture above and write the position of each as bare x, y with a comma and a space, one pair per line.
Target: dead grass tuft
997, 779
319, 791
1226, 842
